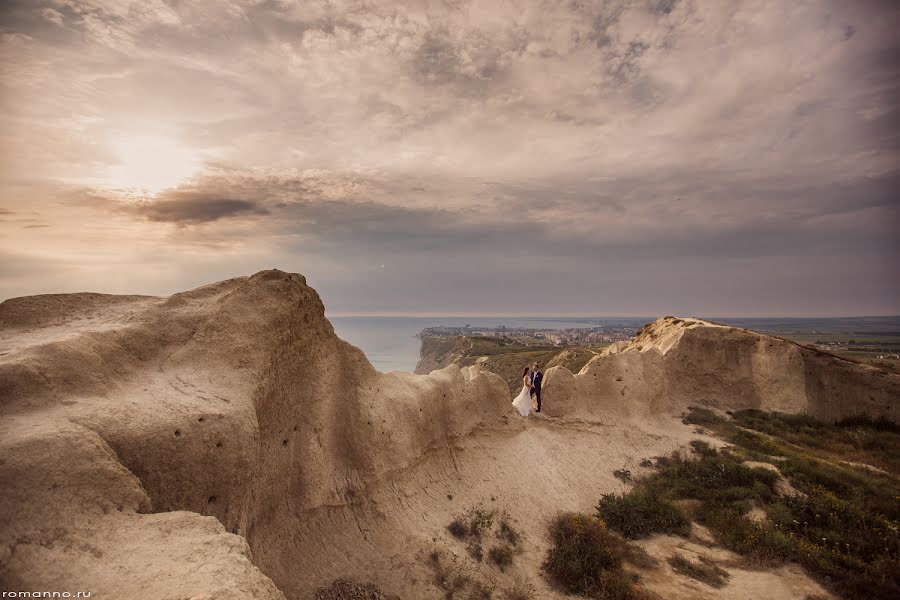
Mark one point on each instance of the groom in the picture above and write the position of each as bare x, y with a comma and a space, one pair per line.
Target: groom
536, 378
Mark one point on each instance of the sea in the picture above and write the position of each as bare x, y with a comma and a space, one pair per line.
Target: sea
391, 343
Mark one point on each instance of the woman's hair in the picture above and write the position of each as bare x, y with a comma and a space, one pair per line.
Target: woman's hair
525, 372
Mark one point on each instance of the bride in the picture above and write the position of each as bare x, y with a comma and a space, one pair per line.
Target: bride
522, 402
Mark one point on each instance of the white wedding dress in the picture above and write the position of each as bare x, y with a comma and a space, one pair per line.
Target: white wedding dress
522, 402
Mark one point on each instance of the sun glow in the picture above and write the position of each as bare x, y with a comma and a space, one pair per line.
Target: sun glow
150, 164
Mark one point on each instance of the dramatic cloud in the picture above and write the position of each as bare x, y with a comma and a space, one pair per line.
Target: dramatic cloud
646, 156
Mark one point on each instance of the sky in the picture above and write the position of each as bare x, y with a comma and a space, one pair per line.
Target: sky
623, 157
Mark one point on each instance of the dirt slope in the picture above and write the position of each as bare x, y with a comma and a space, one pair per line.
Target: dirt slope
224, 443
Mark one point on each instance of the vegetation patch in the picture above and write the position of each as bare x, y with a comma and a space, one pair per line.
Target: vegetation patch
501, 556
704, 570
858, 439
475, 526
458, 528
343, 589
475, 551
480, 520
703, 448
842, 526
586, 559
508, 533
454, 582
519, 591
641, 513
623, 474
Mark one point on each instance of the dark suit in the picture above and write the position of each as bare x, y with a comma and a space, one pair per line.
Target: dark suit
536, 378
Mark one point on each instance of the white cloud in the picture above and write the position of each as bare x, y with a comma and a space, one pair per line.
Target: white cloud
655, 128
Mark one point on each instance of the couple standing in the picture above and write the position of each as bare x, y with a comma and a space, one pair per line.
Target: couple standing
531, 381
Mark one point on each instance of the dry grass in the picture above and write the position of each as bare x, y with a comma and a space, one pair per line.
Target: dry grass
704, 570
586, 559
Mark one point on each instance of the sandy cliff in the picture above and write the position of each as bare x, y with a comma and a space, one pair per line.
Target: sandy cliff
235, 400
224, 443
674, 363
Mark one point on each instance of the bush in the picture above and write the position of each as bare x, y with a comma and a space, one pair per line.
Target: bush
520, 591
844, 530
703, 570
623, 474
475, 551
586, 558
474, 525
458, 529
502, 556
638, 514
481, 521
506, 532
702, 416
867, 422
703, 448
699, 478
762, 544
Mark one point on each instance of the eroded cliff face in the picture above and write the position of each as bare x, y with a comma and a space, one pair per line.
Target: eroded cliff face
224, 443
675, 363
235, 400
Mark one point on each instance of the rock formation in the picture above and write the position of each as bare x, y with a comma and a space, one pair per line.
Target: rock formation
235, 400
675, 363
224, 443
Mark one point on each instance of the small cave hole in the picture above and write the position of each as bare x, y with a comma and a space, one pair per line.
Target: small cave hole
218, 444
200, 420
284, 442
211, 500
177, 433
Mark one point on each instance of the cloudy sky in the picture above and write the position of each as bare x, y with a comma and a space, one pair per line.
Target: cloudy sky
714, 158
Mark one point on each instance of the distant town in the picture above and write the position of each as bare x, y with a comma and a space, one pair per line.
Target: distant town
564, 336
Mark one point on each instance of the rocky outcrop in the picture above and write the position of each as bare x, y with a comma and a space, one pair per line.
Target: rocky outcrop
230, 409
439, 352
674, 363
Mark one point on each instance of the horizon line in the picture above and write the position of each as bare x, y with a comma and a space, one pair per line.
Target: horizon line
340, 314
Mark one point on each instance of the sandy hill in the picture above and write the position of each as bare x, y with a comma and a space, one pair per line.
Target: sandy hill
224, 443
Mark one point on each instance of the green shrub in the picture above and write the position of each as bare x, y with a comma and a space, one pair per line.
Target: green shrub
684, 478
844, 530
703, 448
867, 422
702, 416
638, 514
873, 492
703, 570
762, 544
860, 438
586, 558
